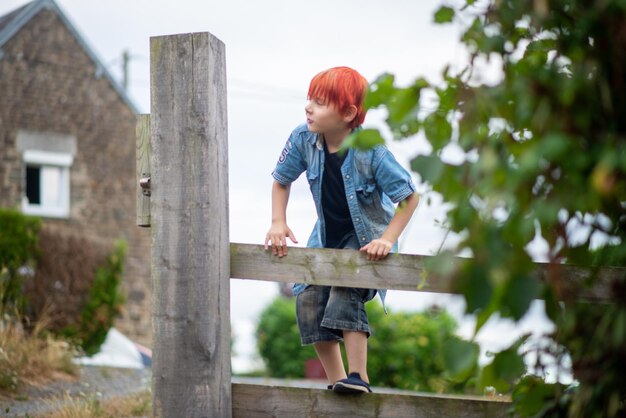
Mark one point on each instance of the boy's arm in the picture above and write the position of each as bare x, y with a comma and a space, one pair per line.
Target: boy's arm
279, 231
378, 249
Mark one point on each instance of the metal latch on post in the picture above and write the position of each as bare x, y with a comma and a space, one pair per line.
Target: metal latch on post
142, 170
144, 182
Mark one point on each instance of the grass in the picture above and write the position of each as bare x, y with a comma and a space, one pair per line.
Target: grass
36, 358
31, 359
135, 405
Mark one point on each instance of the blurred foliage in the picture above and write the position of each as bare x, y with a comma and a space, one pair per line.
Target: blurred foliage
104, 303
18, 248
59, 284
278, 340
71, 285
419, 351
543, 155
407, 350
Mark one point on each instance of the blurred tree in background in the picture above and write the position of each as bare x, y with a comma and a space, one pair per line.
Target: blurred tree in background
278, 340
410, 350
543, 155
406, 351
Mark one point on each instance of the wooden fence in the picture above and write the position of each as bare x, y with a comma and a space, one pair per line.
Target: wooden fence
182, 150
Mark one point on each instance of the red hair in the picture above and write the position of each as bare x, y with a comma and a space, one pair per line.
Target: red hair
341, 87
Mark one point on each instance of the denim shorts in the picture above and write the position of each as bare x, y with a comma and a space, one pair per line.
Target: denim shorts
324, 312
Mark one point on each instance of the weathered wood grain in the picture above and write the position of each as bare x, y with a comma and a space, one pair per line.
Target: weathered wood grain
190, 243
142, 168
398, 271
262, 401
334, 267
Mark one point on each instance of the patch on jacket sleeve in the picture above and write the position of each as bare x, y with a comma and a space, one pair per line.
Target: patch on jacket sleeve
285, 153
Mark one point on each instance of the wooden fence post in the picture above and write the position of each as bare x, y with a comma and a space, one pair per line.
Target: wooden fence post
189, 217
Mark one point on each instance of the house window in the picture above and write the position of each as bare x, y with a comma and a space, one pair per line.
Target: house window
47, 183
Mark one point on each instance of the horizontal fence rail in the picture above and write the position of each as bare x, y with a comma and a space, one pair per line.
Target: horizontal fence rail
398, 271
252, 401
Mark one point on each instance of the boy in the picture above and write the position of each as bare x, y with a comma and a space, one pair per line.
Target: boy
354, 194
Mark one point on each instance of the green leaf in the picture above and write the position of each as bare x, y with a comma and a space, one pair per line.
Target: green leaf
363, 139
406, 128
529, 161
403, 103
554, 145
448, 96
506, 368
483, 315
540, 46
552, 307
475, 286
509, 365
437, 129
518, 294
379, 91
488, 377
546, 212
531, 395
429, 167
463, 215
445, 14
619, 327
460, 357
442, 264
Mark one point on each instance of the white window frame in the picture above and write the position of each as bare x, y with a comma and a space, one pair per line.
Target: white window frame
62, 161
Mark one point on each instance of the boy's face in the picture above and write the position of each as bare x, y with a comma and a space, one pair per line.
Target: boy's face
324, 118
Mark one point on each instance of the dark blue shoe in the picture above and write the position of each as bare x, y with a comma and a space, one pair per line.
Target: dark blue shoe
353, 384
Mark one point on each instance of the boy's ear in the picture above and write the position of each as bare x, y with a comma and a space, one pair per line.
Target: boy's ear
350, 113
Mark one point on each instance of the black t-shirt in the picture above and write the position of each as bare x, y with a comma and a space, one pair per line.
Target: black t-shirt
334, 203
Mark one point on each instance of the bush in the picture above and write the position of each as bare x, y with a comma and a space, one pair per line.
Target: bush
71, 283
544, 146
104, 303
18, 247
76, 287
406, 350
63, 277
278, 340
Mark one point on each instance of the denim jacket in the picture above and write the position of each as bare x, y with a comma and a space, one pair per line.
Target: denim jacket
373, 181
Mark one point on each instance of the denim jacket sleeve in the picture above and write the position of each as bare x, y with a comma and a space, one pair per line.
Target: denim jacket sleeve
291, 162
391, 177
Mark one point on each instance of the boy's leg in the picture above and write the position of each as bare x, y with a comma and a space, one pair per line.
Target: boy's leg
310, 307
329, 354
356, 351
345, 314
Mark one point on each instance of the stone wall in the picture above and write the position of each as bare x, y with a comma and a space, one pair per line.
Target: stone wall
49, 84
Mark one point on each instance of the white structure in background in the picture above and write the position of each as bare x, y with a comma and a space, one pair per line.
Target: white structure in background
116, 351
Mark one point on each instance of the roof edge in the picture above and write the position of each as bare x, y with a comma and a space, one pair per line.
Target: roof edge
30, 10
26, 13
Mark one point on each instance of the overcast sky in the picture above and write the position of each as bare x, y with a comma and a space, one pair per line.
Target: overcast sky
273, 49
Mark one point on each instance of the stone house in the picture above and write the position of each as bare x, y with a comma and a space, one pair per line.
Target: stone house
67, 144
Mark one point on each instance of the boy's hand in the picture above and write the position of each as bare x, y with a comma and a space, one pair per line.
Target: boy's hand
377, 249
277, 238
